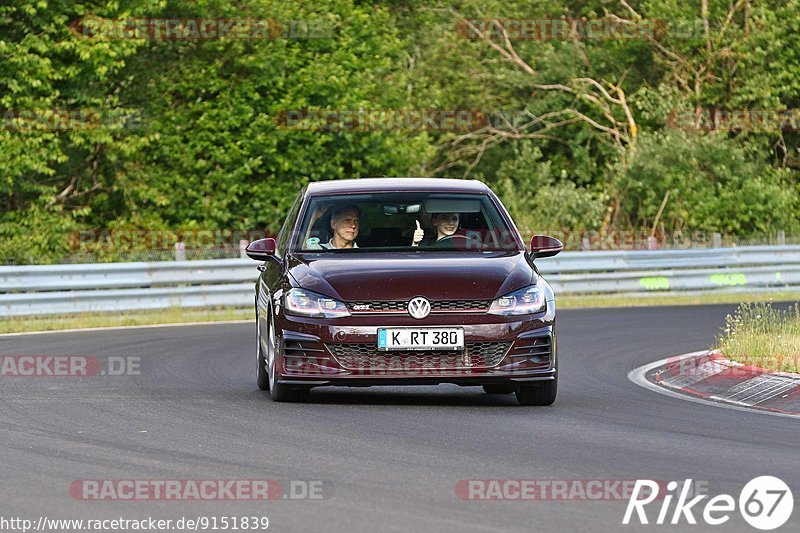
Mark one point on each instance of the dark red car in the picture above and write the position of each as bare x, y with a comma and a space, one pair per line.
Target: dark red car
404, 281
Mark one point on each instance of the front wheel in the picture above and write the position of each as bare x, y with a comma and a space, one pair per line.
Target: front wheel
280, 392
262, 377
542, 394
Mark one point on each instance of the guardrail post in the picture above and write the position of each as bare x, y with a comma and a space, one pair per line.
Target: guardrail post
781, 238
180, 251
652, 243
717, 241
243, 249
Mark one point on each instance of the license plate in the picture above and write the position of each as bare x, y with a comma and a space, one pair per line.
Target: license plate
421, 339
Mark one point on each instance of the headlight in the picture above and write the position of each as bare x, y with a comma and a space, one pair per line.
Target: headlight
521, 302
306, 303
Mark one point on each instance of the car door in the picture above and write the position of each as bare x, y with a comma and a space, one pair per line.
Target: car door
273, 272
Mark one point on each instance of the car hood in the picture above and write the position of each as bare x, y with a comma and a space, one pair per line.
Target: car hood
436, 276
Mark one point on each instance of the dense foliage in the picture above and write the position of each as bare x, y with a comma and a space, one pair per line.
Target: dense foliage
580, 134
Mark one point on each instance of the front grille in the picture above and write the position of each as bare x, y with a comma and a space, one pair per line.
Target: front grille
401, 306
367, 357
392, 305
459, 305
536, 350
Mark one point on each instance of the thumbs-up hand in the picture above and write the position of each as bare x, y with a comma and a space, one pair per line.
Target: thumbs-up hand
419, 233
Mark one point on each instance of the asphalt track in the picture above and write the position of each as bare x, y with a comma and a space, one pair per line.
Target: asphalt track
389, 458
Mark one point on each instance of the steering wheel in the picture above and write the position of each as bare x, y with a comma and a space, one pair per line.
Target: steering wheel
458, 241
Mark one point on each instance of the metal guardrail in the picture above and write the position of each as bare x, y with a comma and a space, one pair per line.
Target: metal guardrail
58, 289
751, 267
120, 275
670, 259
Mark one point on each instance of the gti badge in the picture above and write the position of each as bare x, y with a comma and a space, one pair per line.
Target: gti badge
419, 307
362, 307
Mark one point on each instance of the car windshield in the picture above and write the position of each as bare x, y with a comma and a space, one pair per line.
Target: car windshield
429, 222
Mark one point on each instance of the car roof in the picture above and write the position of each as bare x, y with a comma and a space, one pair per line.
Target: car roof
367, 185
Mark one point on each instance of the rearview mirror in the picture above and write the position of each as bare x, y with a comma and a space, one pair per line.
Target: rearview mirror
261, 250
399, 209
545, 246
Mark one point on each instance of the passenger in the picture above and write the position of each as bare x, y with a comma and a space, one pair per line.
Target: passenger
345, 223
446, 224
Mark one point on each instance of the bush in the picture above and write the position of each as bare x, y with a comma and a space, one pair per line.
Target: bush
538, 201
714, 186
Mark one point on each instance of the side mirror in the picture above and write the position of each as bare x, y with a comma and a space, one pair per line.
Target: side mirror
261, 250
545, 246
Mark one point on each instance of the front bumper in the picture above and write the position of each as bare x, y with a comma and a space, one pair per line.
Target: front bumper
318, 352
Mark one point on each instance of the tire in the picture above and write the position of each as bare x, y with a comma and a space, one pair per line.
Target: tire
542, 394
500, 388
262, 377
283, 393
279, 392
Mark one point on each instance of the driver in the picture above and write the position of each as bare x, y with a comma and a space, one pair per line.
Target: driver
446, 225
345, 223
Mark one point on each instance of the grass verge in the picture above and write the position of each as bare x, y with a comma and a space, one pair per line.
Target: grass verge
760, 335
175, 315
650, 300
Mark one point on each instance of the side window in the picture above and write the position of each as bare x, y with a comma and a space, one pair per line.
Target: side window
286, 231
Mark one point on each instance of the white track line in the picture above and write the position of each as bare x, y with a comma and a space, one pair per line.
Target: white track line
637, 375
142, 326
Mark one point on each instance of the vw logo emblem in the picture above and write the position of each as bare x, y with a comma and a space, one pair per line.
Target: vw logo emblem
419, 307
